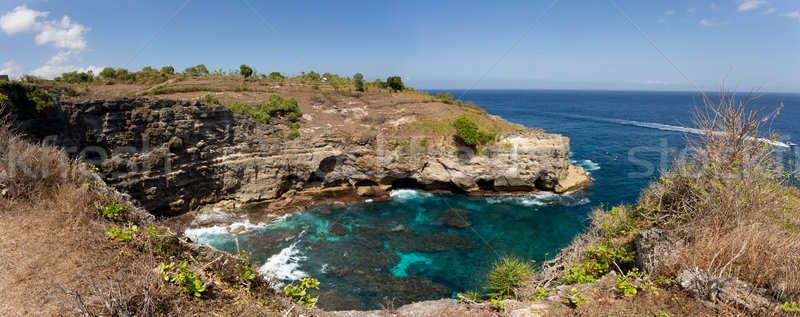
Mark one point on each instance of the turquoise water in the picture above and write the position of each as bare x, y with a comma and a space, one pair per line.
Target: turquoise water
420, 246
417, 246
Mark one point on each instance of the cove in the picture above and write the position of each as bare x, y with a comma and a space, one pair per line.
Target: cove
417, 246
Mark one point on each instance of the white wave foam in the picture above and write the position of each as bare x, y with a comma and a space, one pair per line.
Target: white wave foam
198, 234
540, 199
588, 165
404, 194
283, 266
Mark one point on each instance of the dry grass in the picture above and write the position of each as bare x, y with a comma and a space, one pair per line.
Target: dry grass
57, 260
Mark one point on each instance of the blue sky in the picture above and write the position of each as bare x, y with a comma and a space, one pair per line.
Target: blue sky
431, 44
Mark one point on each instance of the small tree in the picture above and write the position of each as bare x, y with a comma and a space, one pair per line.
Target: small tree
358, 81
108, 73
168, 70
202, 70
275, 76
395, 83
246, 71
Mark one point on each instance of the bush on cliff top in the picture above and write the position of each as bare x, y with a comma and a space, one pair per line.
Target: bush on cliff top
467, 131
276, 106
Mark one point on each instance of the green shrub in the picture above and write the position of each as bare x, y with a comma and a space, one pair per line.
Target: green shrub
312, 76
199, 70
299, 293
275, 76
470, 296
3, 100
113, 209
182, 276
209, 99
468, 132
395, 83
508, 274
168, 70
540, 293
446, 97
358, 81
790, 307
246, 71
624, 285
576, 274
574, 299
245, 275
276, 106
76, 77
121, 235
617, 221
108, 73
40, 97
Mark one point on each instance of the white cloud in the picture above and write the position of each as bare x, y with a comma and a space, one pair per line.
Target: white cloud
656, 82
748, 5
11, 69
661, 20
669, 12
691, 10
21, 19
769, 11
712, 22
64, 34
793, 14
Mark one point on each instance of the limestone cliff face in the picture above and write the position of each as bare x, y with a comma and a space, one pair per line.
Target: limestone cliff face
174, 156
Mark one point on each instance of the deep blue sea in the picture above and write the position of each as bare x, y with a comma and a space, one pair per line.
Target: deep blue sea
403, 250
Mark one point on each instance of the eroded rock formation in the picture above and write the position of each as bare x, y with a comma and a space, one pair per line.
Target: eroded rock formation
173, 156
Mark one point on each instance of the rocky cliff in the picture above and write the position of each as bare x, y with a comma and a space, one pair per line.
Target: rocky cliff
173, 156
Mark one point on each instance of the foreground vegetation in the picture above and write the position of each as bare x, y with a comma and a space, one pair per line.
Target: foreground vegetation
722, 227
95, 253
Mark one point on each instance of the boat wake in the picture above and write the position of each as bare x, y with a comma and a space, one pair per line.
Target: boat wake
660, 126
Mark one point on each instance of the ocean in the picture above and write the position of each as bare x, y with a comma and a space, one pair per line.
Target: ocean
368, 255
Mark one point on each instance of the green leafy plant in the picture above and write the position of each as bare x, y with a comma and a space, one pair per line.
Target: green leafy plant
444, 97
624, 285
295, 131
358, 81
182, 276
121, 235
168, 70
471, 296
299, 293
113, 209
540, 293
508, 274
75, 77
395, 83
275, 76
789, 307
577, 274
246, 274
40, 97
246, 71
573, 299
468, 132
3, 100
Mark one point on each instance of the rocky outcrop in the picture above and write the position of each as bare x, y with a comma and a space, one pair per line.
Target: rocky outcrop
174, 156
